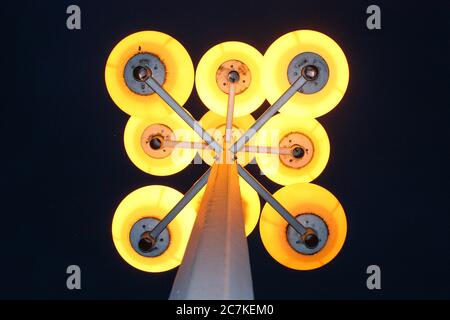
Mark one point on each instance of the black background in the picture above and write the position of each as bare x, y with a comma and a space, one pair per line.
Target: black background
65, 169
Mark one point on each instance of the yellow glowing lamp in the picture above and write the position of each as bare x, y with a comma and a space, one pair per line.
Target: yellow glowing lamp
213, 69
147, 144
215, 125
152, 202
250, 205
284, 60
307, 143
313, 204
169, 63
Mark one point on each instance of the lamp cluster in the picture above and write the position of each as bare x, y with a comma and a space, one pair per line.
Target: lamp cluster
303, 75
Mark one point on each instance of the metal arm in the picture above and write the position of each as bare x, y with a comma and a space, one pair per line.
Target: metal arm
300, 82
190, 121
230, 113
271, 200
196, 187
228, 156
269, 150
205, 146
186, 144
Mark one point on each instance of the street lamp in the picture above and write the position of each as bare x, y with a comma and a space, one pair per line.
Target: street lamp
304, 74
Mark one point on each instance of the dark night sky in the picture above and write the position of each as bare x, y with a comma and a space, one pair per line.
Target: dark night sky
65, 169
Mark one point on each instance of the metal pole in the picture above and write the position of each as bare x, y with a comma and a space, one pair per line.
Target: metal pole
230, 112
269, 150
185, 144
271, 200
238, 145
190, 121
228, 157
203, 145
196, 187
216, 264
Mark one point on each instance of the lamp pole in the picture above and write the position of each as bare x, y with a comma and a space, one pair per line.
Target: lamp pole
216, 264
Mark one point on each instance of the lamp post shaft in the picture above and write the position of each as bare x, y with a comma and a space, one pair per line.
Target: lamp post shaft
216, 263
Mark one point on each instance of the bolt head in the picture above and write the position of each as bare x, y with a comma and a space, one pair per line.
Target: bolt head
147, 242
155, 143
310, 72
233, 76
298, 152
311, 241
141, 73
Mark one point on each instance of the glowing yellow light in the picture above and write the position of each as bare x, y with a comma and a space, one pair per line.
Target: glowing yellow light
215, 125
281, 53
250, 205
137, 137
298, 199
316, 153
179, 79
152, 202
205, 79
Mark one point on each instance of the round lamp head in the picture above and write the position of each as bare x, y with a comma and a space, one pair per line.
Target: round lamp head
230, 62
139, 56
319, 212
137, 214
317, 58
147, 143
215, 125
306, 142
